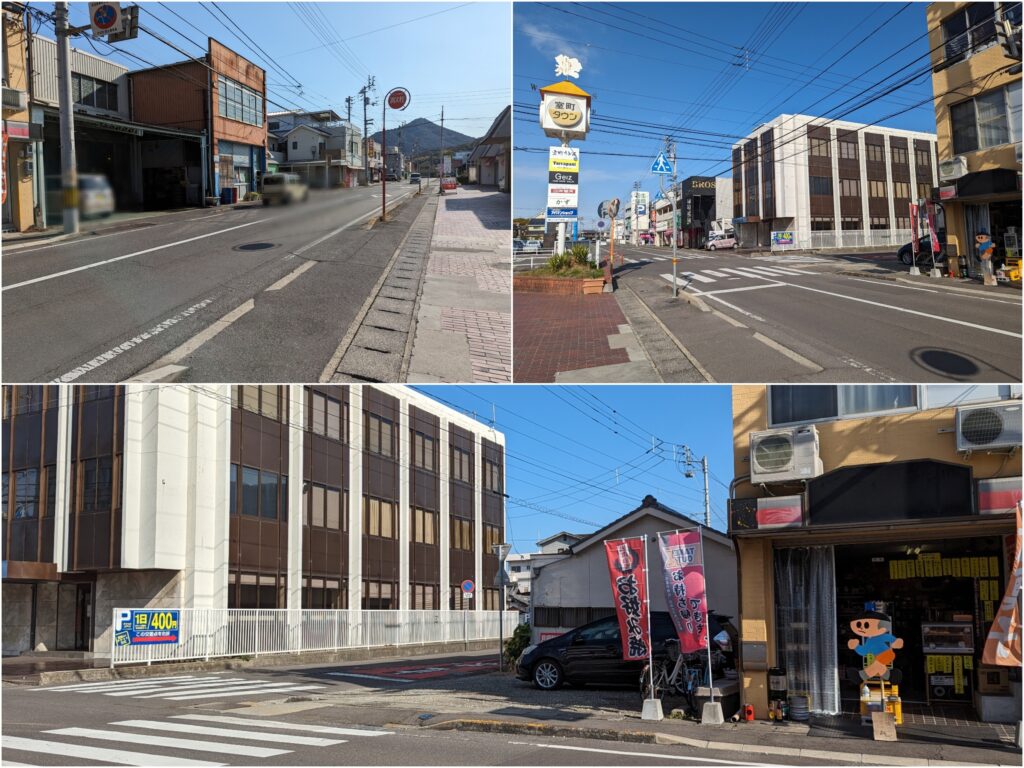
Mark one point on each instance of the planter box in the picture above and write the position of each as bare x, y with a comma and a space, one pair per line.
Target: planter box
564, 286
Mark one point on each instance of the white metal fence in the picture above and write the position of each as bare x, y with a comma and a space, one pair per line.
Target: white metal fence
852, 238
205, 633
523, 260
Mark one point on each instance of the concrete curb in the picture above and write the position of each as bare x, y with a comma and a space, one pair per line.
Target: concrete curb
126, 672
672, 337
655, 737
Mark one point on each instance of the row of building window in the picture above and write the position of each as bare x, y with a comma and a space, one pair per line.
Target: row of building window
92, 483
822, 185
264, 494
93, 92
266, 400
988, 120
821, 147
329, 417
853, 223
239, 102
972, 28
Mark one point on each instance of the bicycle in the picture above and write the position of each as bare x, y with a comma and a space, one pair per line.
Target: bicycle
682, 679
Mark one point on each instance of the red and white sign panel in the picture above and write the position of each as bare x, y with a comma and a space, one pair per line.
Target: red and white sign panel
1003, 644
398, 98
684, 587
626, 566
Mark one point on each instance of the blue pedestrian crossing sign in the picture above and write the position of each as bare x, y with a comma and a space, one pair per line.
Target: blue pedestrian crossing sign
661, 165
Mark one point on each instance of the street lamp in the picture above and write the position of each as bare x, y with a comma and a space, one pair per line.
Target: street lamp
501, 550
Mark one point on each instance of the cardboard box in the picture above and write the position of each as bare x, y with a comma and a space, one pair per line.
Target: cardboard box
993, 680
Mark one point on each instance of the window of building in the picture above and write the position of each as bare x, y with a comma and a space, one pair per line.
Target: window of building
820, 147
462, 463
379, 596
266, 400
492, 537
424, 450
26, 494
238, 102
879, 222
379, 518
50, 472
424, 526
822, 224
250, 492
988, 120
876, 153
1011, 12
257, 591
922, 158
97, 484
901, 189
268, 494
91, 92
821, 185
424, 597
876, 188
328, 507
324, 594
902, 222
4, 489
329, 417
457, 600
491, 601
492, 476
23, 398
924, 190
967, 30
948, 395
796, 404
852, 223
899, 156
461, 534
849, 187
379, 435
848, 150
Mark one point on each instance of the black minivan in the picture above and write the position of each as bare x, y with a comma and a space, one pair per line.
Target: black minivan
593, 653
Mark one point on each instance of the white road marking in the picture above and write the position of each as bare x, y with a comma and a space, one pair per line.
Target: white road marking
110, 354
291, 276
86, 240
743, 272
940, 318
992, 299
713, 272
94, 265
775, 271
370, 677
167, 741
745, 288
228, 733
744, 312
106, 683
699, 278
327, 729
197, 687
786, 351
272, 688
682, 283
685, 758
115, 756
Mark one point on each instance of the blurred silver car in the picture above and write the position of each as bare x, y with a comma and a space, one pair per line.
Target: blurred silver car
95, 195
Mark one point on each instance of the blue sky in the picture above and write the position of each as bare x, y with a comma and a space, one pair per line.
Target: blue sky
558, 438
750, 61
458, 57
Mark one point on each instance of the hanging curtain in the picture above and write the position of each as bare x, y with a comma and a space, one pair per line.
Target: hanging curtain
976, 217
806, 625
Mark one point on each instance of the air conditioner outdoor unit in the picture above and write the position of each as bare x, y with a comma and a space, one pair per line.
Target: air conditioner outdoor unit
982, 427
781, 455
950, 170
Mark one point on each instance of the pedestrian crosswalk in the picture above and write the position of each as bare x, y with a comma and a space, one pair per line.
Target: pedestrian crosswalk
184, 687
181, 740
668, 257
721, 274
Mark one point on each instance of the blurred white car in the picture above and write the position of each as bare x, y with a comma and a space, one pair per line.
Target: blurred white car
95, 195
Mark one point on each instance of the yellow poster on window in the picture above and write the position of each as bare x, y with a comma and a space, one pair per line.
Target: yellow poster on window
948, 664
947, 568
929, 664
919, 568
958, 674
955, 565
975, 568
892, 570
965, 567
983, 567
993, 567
968, 662
989, 610
983, 590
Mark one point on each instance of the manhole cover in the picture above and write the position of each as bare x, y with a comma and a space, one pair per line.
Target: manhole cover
254, 246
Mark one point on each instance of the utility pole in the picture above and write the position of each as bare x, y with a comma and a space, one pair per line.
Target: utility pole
633, 234
683, 455
440, 172
364, 92
68, 161
348, 108
670, 147
707, 496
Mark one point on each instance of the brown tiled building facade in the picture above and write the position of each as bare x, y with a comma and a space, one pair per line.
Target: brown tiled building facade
328, 497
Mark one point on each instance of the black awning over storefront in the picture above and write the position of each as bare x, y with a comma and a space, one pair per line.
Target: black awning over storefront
998, 181
896, 492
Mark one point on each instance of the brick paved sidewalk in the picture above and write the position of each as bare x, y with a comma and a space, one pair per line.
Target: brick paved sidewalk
556, 336
464, 323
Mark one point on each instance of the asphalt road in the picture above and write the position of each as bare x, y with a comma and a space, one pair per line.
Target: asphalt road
104, 307
236, 718
811, 318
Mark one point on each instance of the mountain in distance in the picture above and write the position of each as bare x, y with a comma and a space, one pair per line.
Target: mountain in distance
420, 136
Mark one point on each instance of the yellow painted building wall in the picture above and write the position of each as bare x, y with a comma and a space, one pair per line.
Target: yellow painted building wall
954, 84
19, 187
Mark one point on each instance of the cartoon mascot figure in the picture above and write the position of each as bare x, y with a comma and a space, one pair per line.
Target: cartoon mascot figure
876, 643
986, 250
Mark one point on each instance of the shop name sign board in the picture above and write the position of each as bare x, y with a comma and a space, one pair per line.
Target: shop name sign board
783, 238
562, 214
565, 159
146, 627
564, 111
627, 567
563, 184
563, 177
563, 195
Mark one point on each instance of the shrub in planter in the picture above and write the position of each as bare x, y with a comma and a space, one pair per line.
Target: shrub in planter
559, 261
580, 254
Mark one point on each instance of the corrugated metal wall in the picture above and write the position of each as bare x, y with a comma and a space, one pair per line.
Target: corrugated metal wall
44, 76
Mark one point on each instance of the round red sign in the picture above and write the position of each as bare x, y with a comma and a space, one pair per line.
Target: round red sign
398, 98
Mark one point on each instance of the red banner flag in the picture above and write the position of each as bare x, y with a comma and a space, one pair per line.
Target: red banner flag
682, 553
626, 563
1003, 645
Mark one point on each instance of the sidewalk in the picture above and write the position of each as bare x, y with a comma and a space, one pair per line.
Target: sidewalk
577, 339
463, 317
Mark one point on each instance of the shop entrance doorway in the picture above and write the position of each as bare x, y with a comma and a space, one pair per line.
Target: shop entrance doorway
940, 595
